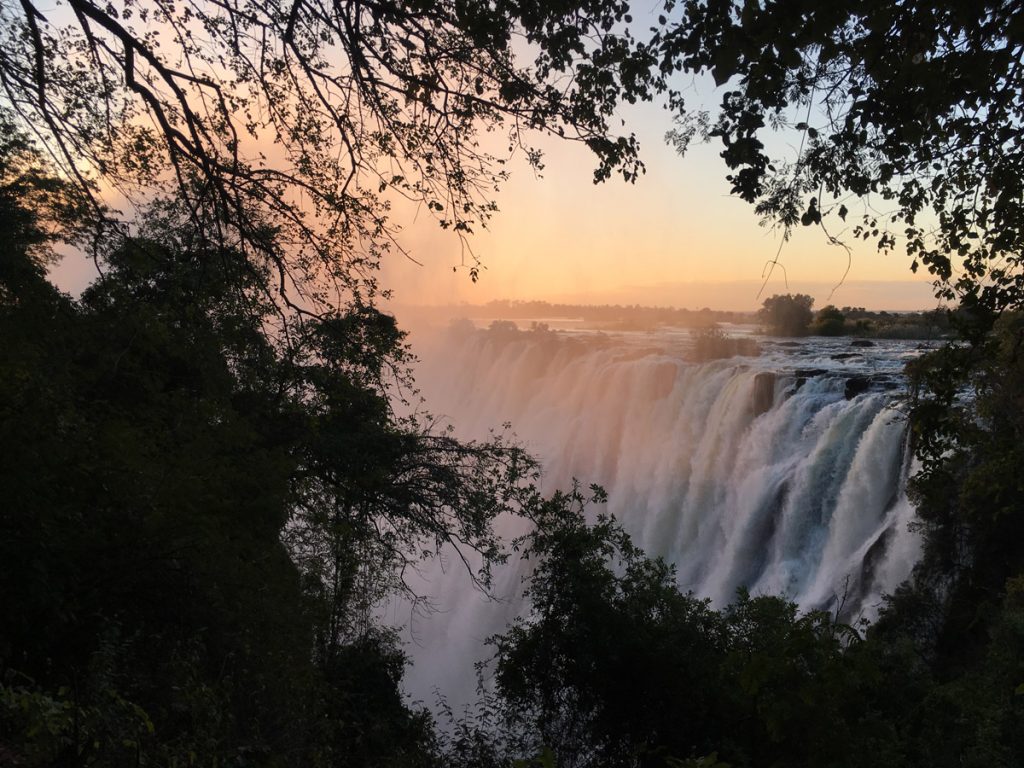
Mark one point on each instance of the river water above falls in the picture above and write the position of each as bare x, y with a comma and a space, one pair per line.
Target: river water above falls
782, 474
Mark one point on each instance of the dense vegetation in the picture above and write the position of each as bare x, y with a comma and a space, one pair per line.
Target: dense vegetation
857, 321
207, 490
787, 315
615, 667
793, 315
200, 515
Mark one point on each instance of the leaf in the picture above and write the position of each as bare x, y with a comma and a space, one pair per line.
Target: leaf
724, 66
842, 212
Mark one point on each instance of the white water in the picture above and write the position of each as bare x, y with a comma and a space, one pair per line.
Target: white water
797, 492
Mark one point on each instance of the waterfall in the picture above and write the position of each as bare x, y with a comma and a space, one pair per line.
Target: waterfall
781, 474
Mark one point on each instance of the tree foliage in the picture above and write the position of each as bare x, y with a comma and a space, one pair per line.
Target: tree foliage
200, 516
787, 314
313, 118
316, 117
829, 321
968, 433
908, 118
614, 666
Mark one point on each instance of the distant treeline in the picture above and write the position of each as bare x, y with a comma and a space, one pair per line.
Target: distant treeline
857, 321
619, 316
830, 321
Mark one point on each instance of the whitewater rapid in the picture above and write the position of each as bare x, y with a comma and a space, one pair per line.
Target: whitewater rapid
780, 474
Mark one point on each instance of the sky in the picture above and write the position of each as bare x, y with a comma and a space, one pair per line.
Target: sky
674, 238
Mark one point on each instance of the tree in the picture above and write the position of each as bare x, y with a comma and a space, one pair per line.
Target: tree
787, 315
144, 505
908, 116
829, 321
614, 666
200, 516
310, 119
968, 492
580, 670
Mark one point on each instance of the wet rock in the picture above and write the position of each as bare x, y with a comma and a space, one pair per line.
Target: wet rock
764, 392
809, 373
856, 385
862, 343
846, 355
789, 344
874, 558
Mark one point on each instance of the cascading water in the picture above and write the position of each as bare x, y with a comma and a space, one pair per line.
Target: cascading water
782, 474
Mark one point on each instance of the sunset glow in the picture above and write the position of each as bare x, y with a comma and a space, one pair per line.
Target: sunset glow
676, 237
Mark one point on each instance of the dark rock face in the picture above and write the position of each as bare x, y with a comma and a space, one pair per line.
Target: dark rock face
809, 373
862, 343
846, 355
856, 385
764, 392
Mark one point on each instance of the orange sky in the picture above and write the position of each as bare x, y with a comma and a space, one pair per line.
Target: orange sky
675, 237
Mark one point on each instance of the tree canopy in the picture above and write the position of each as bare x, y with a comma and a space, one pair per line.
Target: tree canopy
614, 666
199, 518
908, 114
787, 314
309, 119
829, 321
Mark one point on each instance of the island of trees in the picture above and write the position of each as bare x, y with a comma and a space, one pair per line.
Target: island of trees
206, 486
793, 315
